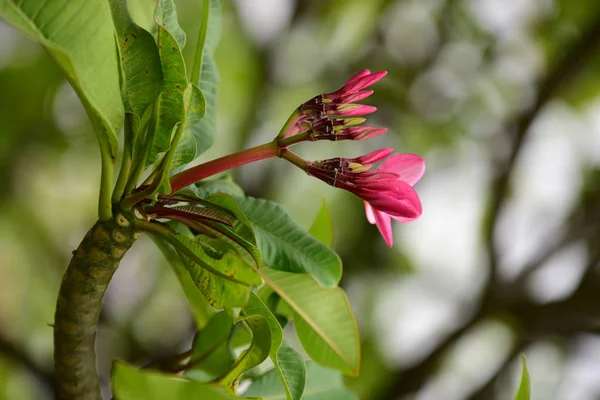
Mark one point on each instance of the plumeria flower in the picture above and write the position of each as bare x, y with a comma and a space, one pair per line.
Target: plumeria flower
385, 189
408, 168
332, 116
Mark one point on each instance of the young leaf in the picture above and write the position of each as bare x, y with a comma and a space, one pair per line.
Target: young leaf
129, 383
206, 67
524, 390
285, 246
141, 78
324, 320
321, 384
211, 354
165, 15
80, 37
254, 355
322, 227
201, 310
169, 107
223, 278
289, 365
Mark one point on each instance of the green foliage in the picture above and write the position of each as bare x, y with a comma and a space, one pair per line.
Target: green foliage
524, 390
68, 30
289, 365
205, 68
129, 383
323, 318
322, 384
286, 246
322, 227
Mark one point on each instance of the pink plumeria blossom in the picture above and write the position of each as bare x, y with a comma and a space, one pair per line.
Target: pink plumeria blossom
326, 116
409, 168
384, 189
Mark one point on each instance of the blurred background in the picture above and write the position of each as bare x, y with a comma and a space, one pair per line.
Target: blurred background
500, 97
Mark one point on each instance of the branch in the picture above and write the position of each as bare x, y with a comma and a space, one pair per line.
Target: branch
564, 71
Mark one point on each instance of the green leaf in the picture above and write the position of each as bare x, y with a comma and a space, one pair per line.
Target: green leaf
80, 37
285, 246
169, 107
211, 354
195, 108
289, 364
204, 131
165, 15
524, 390
322, 384
141, 79
199, 306
207, 187
322, 227
223, 278
323, 318
129, 383
254, 355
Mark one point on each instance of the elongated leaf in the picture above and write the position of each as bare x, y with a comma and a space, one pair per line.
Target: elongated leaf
524, 390
199, 306
254, 355
289, 364
204, 131
322, 227
205, 188
165, 15
324, 320
212, 355
195, 108
285, 246
141, 79
322, 384
169, 109
129, 383
223, 278
80, 37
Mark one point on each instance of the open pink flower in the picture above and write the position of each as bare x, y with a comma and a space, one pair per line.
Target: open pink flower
326, 116
385, 189
409, 168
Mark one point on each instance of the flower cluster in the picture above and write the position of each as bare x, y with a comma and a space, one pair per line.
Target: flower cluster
386, 190
334, 116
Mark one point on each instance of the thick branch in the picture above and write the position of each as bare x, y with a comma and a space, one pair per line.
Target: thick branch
79, 304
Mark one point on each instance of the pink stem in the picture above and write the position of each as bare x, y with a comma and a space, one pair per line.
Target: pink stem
210, 168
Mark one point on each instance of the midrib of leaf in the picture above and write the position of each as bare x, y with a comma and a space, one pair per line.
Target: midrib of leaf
304, 316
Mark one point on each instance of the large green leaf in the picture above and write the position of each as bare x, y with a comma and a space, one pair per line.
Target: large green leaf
195, 108
212, 355
253, 355
322, 384
207, 187
169, 107
285, 246
322, 227
142, 76
524, 390
289, 364
324, 320
80, 37
130, 383
204, 131
199, 306
223, 278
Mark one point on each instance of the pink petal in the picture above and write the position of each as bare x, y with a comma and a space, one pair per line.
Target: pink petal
406, 220
374, 156
354, 84
399, 200
353, 97
370, 213
352, 81
384, 224
352, 110
410, 167
365, 132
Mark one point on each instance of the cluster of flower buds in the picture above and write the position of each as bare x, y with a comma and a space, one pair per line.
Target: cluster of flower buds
386, 190
334, 116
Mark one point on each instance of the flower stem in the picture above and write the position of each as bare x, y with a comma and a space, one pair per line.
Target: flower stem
294, 159
79, 304
225, 163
